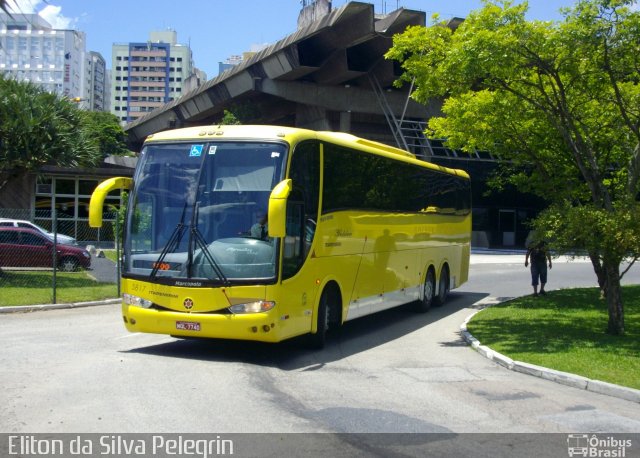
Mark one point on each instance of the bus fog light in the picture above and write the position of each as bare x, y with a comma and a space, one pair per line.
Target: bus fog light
136, 301
252, 307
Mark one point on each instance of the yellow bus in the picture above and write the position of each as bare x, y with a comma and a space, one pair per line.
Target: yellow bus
266, 233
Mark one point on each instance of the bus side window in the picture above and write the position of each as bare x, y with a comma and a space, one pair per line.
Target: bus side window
302, 207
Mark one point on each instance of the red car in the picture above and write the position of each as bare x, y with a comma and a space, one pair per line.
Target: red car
22, 247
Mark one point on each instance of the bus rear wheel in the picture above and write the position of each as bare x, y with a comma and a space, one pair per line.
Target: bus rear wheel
444, 286
428, 291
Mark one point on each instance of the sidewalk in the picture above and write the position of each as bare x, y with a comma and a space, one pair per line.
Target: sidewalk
487, 256
103, 270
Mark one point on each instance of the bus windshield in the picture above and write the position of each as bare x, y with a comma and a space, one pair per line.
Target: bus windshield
198, 211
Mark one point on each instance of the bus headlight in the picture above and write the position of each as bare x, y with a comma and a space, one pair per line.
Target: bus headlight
252, 307
130, 299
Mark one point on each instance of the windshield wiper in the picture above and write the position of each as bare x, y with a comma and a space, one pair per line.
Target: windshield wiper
172, 243
202, 244
196, 238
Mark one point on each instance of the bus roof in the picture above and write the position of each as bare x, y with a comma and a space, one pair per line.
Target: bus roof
232, 132
293, 135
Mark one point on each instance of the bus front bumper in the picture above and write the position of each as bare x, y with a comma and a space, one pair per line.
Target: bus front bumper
253, 326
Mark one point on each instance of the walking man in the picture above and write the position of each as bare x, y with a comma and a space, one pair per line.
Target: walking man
539, 255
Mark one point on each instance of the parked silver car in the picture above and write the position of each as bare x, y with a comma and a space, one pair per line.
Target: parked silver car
62, 239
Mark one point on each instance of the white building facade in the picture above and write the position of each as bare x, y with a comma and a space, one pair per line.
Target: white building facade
31, 50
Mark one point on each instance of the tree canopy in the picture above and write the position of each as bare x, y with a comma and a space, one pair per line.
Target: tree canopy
106, 130
39, 128
560, 103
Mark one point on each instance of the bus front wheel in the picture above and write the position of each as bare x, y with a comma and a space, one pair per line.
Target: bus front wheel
318, 340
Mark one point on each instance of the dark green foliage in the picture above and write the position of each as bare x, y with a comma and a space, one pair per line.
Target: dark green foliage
559, 101
39, 128
106, 130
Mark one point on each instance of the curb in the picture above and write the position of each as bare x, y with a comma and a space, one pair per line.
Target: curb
40, 307
564, 378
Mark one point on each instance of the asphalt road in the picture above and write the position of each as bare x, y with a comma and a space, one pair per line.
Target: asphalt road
79, 371
103, 270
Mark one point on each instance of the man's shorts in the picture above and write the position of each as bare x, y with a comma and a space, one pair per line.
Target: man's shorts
538, 272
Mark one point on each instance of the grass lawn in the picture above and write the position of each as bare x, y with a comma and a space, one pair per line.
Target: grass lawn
110, 254
29, 288
565, 330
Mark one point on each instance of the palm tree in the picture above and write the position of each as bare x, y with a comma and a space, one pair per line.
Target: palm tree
40, 128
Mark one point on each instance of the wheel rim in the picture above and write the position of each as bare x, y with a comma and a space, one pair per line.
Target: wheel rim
68, 265
428, 288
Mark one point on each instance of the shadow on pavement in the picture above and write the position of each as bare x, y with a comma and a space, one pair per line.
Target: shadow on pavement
352, 338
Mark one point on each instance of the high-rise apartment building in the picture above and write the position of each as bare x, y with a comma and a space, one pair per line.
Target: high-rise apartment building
145, 76
32, 50
96, 84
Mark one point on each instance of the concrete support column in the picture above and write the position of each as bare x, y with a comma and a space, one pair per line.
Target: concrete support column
345, 121
312, 117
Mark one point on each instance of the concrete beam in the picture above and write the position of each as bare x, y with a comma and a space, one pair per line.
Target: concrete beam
239, 84
336, 70
397, 21
340, 98
277, 65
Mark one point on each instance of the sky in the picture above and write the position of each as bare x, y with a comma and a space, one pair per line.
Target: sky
218, 29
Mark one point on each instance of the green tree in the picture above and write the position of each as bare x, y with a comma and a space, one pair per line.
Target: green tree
229, 119
559, 101
39, 128
106, 130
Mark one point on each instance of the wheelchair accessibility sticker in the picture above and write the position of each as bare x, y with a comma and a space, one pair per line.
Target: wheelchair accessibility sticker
196, 150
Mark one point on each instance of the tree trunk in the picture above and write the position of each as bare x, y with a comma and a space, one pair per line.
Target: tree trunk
599, 270
614, 297
12, 189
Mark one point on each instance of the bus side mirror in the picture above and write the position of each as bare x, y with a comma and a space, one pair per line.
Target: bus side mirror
277, 218
100, 193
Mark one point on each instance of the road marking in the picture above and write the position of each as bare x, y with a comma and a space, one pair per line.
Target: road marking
131, 334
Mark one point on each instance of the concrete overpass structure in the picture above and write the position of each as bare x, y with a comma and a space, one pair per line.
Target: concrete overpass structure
330, 74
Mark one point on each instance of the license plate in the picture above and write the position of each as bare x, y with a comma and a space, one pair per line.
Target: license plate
187, 325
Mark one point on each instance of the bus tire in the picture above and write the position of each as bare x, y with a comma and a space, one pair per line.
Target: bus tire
444, 286
318, 340
428, 291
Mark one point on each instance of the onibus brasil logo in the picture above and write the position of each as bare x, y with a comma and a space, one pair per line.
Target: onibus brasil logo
594, 446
